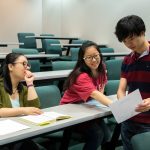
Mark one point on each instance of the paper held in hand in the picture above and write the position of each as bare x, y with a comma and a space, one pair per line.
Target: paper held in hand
124, 108
45, 118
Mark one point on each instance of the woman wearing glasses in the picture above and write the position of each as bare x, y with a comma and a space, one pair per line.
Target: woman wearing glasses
86, 82
15, 98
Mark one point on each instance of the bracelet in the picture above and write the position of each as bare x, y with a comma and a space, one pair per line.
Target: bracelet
29, 85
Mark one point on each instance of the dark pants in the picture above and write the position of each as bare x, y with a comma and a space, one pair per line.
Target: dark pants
24, 145
93, 133
129, 129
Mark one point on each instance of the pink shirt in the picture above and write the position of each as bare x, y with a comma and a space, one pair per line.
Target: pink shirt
81, 90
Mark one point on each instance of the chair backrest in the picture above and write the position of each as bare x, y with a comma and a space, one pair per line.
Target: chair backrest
35, 64
52, 49
74, 53
106, 50
46, 34
25, 51
49, 95
28, 42
63, 65
111, 87
113, 68
141, 141
42, 40
79, 41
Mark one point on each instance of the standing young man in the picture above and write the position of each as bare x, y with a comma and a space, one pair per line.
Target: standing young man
135, 74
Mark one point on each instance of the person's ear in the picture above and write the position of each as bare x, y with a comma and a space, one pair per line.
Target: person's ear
142, 33
10, 67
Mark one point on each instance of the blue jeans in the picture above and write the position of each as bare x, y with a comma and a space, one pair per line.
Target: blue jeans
129, 129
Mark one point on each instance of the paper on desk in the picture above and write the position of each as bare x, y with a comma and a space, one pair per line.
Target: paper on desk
93, 102
45, 118
124, 109
10, 126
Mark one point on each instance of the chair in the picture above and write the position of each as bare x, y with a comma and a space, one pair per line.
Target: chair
62, 65
113, 69
79, 41
107, 50
141, 141
42, 40
35, 64
54, 49
74, 53
49, 95
28, 42
111, 87
25, 51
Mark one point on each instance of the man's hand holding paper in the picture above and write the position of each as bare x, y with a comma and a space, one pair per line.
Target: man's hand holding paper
125, 108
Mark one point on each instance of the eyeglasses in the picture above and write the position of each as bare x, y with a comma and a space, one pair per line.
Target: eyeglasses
25, 64
90, 58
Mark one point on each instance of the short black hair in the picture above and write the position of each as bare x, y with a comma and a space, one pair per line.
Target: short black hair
129, 26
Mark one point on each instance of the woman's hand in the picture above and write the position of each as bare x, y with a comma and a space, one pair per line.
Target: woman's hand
144, 106
29, 77
31, 111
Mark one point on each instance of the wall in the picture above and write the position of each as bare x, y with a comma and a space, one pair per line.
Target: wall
19, 16
93, 19
52, 16
88, 19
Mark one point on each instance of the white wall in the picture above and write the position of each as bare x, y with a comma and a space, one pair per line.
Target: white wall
92, 19
19, 16
89, 19
52, 16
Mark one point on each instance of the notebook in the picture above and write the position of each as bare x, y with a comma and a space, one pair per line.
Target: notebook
45, 118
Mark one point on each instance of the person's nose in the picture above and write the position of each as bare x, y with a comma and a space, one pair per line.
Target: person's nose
28, 67
93, 59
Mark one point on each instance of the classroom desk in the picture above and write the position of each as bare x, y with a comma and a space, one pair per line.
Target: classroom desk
33, 56
80, 113
76, 45
41, 56
68, 46
59, 74
115, 54
49, 76
54, 37
10, 43
109, 55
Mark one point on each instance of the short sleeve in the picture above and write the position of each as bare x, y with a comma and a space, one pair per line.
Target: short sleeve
84, 86
124, 68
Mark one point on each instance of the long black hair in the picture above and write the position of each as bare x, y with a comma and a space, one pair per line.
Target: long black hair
5, 73
81, 66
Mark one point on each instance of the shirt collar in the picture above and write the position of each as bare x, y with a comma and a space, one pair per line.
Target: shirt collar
146, 52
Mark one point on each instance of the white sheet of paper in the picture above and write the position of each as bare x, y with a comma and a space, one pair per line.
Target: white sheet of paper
9, 126
124, 108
